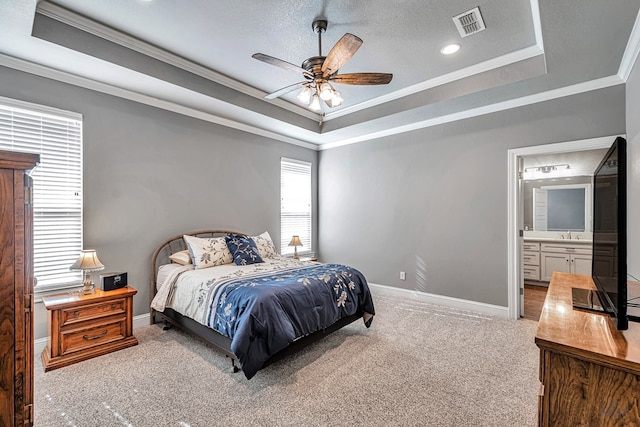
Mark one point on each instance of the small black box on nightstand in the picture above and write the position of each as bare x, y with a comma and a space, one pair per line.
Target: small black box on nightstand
111, 281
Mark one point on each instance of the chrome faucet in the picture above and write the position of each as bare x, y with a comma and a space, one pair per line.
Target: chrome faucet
569, 233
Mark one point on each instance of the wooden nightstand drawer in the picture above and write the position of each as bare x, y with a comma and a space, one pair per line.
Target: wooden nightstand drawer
70, 316
86, 326
81, 339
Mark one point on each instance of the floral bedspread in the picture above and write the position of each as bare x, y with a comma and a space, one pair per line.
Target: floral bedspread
264, 313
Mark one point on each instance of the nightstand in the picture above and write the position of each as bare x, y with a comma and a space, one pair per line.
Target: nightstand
86, 326
308, 258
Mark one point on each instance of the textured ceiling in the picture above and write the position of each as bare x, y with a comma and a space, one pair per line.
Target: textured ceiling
195, 57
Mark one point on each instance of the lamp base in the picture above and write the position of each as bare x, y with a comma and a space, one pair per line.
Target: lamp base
88, 290
88, 287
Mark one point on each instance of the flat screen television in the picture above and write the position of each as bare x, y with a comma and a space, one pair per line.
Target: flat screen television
609, 262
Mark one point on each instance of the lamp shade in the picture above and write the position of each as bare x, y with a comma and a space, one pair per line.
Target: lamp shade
295, 241
87, 261
315, 103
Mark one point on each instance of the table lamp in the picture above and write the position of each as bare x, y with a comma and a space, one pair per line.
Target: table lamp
87, 262
295, 242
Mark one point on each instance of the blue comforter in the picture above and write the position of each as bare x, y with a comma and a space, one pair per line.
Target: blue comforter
265, 313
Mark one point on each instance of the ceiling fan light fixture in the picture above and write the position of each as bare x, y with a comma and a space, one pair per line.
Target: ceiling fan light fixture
315, 103
336, 100
320, 71
450, 49
326, 91
305, 95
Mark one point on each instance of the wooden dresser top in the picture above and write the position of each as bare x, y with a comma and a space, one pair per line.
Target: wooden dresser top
581, 333
72, 299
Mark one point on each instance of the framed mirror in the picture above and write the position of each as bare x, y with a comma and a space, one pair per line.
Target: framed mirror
562, 207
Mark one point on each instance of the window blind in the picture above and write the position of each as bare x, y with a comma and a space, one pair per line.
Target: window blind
295, 204
57, 185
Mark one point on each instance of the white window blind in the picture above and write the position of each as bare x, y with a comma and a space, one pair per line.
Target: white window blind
57, 185
295, 204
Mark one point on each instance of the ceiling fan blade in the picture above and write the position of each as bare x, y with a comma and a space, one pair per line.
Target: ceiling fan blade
280, 63
286, 89
340, 54
362, 78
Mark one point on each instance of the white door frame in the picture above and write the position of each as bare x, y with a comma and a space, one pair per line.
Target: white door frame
513, 246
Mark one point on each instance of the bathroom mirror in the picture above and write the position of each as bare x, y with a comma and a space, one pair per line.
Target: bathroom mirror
562, 207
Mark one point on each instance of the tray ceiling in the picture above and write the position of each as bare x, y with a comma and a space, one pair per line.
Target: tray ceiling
195, 57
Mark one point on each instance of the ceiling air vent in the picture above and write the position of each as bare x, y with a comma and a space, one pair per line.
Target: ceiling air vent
469, 22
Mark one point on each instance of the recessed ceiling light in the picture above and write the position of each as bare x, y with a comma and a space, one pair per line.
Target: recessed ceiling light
450, 49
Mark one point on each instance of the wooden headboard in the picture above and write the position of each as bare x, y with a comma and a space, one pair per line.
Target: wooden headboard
176, 244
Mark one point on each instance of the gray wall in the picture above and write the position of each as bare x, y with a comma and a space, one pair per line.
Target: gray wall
434, 201
633, 173
150, 174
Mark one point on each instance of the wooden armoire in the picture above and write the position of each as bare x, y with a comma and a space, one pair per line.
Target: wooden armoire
16, 288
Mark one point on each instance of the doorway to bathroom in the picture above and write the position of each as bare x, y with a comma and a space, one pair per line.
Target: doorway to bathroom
546, 155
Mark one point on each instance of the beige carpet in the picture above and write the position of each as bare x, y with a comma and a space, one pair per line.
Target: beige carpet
419, 365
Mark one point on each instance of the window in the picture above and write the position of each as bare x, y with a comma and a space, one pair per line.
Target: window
295, 204
57, 185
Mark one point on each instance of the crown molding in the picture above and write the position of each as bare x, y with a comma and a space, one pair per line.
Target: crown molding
501, 61
90, 26
631, 51
491, 64
486, 109
537, 23
62, 76
84, 82
311, 141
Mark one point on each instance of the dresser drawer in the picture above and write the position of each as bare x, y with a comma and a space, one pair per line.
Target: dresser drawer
566, 248
531, 272
73, 315
531, 258
531, 246
83, 338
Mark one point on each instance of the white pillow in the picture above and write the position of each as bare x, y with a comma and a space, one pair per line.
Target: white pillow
208, 252
182, 257
265, 245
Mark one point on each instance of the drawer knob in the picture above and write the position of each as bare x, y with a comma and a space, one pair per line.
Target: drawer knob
76, 313
88, 338
113, 306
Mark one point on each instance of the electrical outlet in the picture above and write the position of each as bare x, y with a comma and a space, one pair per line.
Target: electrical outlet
403, 275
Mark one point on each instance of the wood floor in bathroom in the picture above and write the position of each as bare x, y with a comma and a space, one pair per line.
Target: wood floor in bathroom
533, 301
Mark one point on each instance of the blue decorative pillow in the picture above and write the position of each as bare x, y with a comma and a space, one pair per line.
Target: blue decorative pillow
243, 249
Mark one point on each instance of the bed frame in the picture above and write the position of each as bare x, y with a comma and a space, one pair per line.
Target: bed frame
211, 336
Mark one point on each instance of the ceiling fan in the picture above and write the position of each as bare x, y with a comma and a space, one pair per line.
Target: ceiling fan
320, 71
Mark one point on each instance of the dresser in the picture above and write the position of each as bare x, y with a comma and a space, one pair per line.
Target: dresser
589, 370
16, 289
86, 326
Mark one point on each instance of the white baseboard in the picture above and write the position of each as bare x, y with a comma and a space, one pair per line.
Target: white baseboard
138, 321
39, 345
141, 320
480, 307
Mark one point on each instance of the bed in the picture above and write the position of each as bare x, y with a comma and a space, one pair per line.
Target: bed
257, 312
